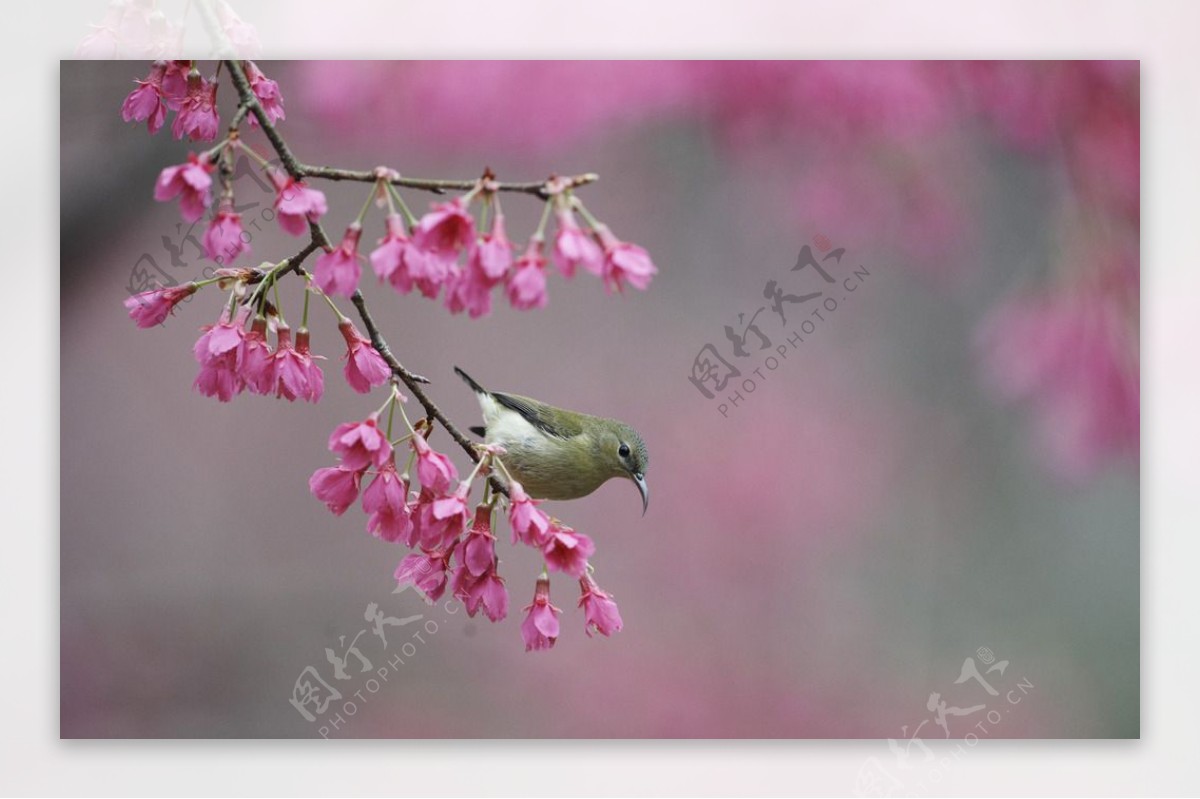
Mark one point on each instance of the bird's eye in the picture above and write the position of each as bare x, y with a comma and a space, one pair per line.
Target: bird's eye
623, 451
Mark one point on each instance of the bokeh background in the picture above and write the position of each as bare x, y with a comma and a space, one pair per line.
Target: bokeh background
949, 462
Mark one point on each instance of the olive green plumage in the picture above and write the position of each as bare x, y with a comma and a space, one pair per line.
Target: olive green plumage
556, 453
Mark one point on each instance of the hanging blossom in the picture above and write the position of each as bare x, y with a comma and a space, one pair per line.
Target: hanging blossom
600, 611
338, 271
131, 30
296, 204
295, 374
526, 284
386, 502
624, 263
399, 261
146, 102
219, 353
540, 628
365, 367
573, 247
446, 230
150, 308
267, 92
225, 240
258, 361
191, 182
197, 116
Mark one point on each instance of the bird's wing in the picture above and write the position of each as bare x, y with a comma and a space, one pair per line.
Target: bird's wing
542, 416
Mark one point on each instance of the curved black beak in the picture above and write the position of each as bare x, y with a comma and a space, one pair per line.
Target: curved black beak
640, 481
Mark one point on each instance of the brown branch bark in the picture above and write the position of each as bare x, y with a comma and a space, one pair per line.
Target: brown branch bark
543, 189
319, 239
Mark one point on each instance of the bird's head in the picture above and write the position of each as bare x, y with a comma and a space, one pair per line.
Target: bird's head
624, 454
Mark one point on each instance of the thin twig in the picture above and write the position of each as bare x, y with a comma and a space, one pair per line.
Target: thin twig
543, 188
319, 239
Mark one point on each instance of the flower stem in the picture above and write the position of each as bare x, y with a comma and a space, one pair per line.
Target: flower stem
592, 221
408, 214
391, 415
541, 228
278, 305
264, 163
363, 212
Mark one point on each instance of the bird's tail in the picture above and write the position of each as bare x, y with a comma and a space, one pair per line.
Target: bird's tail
479, 391
470, 381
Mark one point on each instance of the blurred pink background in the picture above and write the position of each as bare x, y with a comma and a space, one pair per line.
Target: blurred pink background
949, 462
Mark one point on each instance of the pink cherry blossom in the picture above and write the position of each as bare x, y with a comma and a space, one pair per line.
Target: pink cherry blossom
146, 101
175, 83
296, 204
540, 628
132, 29
315, 378
424, 527
386, 500
490, 255
336, 486
600, 612
219, 352
624, 263
526, 285
449, 516
401, 262
435, 470
365, 367
529, 524
361, 444
467, 290
429, 272
267, 92
191, 182
427, 571
197, 116
338, 271
486, 591
573, 247
446, 230
150, 308
242, 36
567, 551
258, 362
478, 552
224, 240
218, 378
296, 376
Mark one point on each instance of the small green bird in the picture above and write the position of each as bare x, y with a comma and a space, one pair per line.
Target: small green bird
559, 454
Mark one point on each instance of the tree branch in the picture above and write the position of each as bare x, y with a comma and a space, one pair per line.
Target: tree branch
319, 239
543, 189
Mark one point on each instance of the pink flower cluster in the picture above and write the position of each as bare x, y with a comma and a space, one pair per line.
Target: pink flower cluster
444, 250
456, 548
234, 358
178, 86
296, 204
